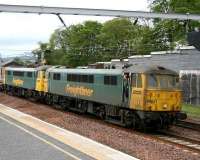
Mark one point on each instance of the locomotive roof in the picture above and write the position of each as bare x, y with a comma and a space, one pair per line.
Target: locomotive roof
88, 71
21, 69
150, 69
133, 69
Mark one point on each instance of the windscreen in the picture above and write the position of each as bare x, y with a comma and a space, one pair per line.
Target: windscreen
162, 81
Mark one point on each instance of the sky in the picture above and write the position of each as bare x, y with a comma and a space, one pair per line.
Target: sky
20, 33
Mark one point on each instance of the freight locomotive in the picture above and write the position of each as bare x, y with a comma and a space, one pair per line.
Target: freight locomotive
136, 96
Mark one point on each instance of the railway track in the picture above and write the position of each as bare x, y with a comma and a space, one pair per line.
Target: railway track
189, 125
133, 139
188, 143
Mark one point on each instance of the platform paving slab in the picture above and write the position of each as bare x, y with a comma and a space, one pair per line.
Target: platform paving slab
60, 141
17, 144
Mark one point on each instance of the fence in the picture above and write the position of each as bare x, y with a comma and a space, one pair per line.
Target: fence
190, 84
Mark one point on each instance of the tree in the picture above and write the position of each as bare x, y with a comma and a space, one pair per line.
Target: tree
86, 43
115, 38
122, 38
83, 42
175, 30
74, 45
42, 50
19, 61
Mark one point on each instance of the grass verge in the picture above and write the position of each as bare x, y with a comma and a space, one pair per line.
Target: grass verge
191, 110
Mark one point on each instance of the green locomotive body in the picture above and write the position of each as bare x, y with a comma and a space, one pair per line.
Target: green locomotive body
137, 97
21, 77
87, 84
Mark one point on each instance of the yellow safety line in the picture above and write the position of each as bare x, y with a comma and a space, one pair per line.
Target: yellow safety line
41, 139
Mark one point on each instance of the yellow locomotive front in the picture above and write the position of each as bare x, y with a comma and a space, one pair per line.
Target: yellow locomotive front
156, 96
162, 93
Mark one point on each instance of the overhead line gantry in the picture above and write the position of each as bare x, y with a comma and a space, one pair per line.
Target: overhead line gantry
94, 12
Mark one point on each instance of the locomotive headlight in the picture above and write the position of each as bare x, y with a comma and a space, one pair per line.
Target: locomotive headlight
165, 106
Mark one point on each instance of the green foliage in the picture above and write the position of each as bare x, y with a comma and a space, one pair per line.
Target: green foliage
21, 62
175, 30
116, 38
18, 61
175, 6
82, 44
191, 110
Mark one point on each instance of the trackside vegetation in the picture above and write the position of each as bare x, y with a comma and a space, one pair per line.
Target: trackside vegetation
92, 41
191, 110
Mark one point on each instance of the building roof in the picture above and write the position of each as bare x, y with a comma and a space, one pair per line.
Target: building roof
6, 62
139, 56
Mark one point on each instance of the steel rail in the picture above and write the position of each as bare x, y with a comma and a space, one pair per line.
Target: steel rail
190, 125
191, 144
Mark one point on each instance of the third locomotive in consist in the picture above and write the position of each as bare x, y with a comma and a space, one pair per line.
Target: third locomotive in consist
137, 96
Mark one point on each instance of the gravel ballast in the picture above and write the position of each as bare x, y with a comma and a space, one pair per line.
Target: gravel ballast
136, 144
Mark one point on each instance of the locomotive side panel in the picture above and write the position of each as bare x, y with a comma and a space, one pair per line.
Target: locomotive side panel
99, 88
19, 78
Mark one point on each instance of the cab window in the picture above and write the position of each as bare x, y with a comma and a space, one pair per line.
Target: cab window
137, 80
56, 76
152, 81
134, 80
8, 72
172, 82
162, 81
168, 81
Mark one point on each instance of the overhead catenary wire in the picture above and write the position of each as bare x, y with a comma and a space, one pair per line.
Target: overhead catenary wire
94, 12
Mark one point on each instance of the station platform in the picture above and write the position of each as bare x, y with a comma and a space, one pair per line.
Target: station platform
25, 137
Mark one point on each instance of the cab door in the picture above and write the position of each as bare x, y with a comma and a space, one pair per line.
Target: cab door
126, 89
46, 81
40, 81
137, 91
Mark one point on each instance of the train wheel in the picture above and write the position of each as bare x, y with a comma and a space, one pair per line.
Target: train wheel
9, 91
142, 126
83, 106
128, 119
66, 104
102, 113
136, 121
48, 100
26, 94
